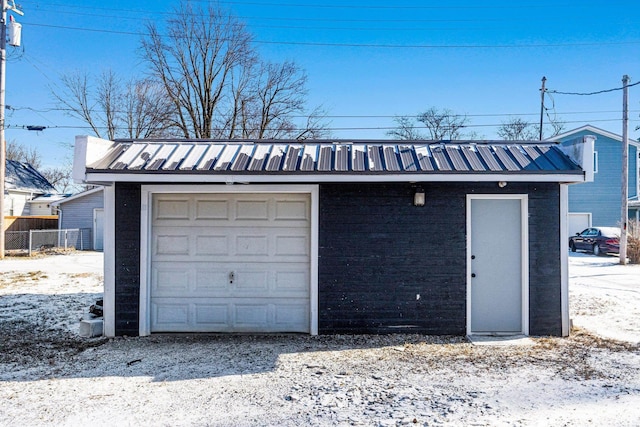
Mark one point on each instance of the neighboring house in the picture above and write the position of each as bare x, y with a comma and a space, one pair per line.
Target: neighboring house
84, 211
335, 237
23, 184
44, 205
598, 203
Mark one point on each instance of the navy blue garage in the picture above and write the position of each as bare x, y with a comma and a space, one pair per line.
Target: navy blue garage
326, 237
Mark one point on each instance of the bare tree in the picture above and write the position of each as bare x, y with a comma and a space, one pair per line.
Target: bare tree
315, 127
405, 129
517, 129
440, 124
195, 61
60, 178
19, 153
281, 93
147, 111
137, 109
557, 127
216, 82
443, 124
109, 98
77, 97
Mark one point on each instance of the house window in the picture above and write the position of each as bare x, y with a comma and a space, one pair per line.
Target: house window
595, 162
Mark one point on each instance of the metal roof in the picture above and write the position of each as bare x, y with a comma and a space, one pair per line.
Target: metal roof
322, 157
22, 176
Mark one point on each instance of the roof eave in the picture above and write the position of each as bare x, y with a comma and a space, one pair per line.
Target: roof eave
104, 178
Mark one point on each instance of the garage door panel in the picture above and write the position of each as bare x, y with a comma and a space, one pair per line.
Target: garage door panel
212, 210
251, 315
284, 313
292, 210
252, 245
291, 245
292, 281
240, 315
259, 280
212, 245
252, 209
254, 282
166, 244
167, 314
172, 209
231, 263
212, 314
238, 241
170, 280
211, 282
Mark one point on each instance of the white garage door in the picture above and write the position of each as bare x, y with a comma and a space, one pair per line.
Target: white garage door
578, 222
230, 263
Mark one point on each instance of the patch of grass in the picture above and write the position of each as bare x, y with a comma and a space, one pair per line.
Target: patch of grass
585, 338
80, 275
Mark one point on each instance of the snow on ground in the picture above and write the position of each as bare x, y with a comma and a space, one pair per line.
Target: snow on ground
604, 296
51, 376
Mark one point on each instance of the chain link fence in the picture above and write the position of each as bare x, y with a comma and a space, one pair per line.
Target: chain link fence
43, 240
16, 240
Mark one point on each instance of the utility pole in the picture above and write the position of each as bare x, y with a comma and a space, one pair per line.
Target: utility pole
3, 142
624, 211
542, 90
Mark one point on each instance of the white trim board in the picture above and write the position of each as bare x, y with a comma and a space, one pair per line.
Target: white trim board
108, 244
147, 192
592, 129
77, 196
564, 259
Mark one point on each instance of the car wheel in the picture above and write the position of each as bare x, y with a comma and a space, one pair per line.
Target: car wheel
596, 250
572, 246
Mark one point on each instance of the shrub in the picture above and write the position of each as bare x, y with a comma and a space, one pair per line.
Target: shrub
633, 241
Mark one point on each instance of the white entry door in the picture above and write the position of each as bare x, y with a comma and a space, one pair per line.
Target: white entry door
497, 253
230, 263
98, 229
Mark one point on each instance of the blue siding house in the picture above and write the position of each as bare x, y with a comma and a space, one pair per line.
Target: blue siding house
84, 211
598, 203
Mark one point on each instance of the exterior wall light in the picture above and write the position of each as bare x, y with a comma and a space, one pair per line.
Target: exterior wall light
419, 197
502, 184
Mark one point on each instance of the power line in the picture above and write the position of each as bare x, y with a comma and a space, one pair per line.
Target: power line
349, 128
369, 45
340, 6
351, 116
592, 93
119, 16
383, 7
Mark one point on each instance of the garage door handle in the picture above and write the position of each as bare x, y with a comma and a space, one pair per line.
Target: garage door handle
232, 277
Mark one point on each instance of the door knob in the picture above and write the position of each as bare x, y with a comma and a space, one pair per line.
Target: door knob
473, 274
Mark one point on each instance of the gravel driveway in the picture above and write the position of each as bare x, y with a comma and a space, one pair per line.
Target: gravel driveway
50, 376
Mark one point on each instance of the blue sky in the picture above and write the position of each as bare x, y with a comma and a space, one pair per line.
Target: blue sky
367, 61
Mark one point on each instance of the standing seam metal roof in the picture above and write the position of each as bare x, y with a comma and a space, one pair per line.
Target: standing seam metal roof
324, 157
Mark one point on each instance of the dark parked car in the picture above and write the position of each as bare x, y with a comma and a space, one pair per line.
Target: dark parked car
599, 240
